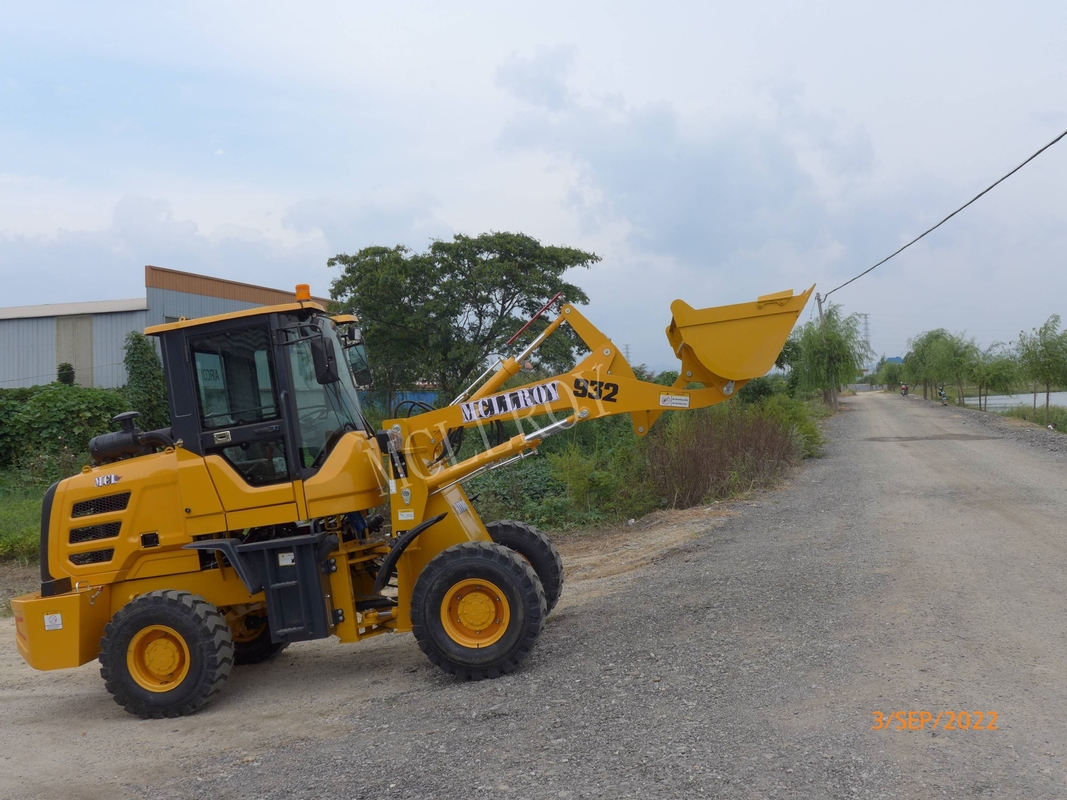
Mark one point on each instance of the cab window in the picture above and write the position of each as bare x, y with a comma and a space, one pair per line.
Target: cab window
234, 377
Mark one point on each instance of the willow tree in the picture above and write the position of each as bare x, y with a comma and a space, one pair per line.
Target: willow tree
829, 353
959, 356
995, 370
923, 363
1043, 356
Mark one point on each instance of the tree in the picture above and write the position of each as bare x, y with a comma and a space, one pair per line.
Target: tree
828, 353
439, 316
925, 362
65, 373
1043, 356
146, 388
994, 370
958, 356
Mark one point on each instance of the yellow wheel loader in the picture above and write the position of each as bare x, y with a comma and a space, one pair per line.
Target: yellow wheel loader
249, 524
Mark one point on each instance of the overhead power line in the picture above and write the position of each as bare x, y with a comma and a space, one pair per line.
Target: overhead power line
950, 216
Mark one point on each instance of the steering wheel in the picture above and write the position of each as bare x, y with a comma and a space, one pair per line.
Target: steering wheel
313, 415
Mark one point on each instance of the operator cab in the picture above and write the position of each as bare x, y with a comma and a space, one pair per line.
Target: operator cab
271, 391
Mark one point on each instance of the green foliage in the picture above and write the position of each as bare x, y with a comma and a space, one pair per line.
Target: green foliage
759, 389
826, 353
1043, 357
995, 371
65, 373
887, 373
146, 387
59, 419
12, 401
797, 416
439, 316
600, 472
714, 453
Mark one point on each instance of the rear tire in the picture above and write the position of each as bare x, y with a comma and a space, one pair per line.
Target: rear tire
536, 548
166, 654
477, 609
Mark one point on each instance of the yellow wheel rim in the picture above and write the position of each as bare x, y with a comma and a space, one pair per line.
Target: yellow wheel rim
475, 613
158, 658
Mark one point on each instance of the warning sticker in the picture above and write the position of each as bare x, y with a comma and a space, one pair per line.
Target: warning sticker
670, 400
406, 516
286, 559
53, 621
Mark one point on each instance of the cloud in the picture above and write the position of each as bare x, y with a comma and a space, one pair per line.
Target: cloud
702, 196
109, 263
540, 80
349, 225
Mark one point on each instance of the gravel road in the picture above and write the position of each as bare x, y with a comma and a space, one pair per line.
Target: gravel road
735, 652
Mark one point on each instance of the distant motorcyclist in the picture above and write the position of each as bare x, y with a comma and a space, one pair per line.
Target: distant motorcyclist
903, 390
943, 395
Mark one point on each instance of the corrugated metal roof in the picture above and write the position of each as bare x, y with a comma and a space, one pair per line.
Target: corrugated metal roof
189, 283
70, 309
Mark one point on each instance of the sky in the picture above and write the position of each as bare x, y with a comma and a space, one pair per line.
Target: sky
706, 151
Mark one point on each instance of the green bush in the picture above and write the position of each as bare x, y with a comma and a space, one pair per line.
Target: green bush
715, 453
600, 472
60, 418
797, 415
12, 401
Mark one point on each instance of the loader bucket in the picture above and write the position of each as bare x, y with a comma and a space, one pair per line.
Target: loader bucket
736, 342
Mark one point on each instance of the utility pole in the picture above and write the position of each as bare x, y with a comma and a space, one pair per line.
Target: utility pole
822, 327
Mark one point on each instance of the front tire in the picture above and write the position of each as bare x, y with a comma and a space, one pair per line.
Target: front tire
477, 609
166, 654
536, 548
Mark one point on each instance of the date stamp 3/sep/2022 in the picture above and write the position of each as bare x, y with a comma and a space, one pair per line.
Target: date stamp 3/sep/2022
946, 720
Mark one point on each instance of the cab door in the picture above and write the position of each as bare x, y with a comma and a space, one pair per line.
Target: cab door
243, 433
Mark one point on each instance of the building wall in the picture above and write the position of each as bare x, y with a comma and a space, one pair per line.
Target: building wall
29, 351
74, 346
166, 305
90, 335
109, 340
33, 348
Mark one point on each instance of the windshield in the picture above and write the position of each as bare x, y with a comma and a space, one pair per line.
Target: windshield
325, 411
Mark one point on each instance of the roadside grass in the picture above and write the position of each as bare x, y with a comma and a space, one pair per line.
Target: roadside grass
1057, 415
20, 519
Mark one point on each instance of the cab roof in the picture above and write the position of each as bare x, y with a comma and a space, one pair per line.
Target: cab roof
155, 330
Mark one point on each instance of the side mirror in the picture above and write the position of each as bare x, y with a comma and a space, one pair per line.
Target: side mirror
359, 365
322, 353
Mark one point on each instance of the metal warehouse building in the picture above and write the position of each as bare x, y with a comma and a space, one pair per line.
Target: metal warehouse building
35, 340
